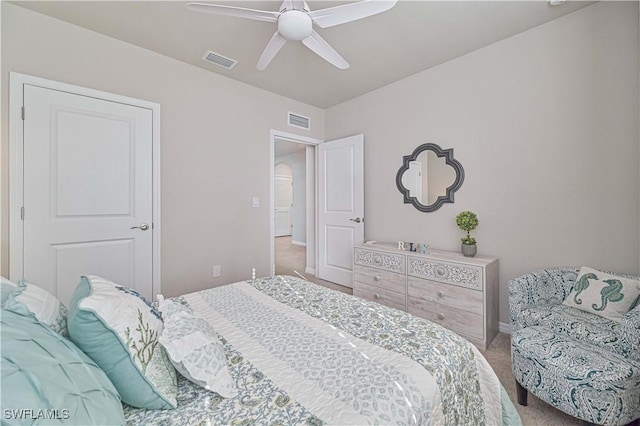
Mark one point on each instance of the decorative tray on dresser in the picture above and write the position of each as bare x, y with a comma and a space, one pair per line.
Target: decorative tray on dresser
457, 292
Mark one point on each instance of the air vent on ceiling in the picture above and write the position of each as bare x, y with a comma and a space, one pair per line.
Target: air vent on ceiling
297, 120
218, 59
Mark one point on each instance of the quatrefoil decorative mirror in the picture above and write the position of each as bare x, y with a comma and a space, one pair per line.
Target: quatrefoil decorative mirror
429, 177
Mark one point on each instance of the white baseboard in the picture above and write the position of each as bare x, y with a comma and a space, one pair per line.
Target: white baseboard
311, 271
504, 327
298, 243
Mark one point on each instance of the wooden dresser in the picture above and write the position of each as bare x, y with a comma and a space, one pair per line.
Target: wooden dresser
457, 292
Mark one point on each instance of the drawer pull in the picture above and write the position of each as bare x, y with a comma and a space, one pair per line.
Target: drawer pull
440, 316
376, 296
440, 294
376, 278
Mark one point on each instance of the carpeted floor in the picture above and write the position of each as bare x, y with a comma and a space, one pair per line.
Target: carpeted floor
290, 260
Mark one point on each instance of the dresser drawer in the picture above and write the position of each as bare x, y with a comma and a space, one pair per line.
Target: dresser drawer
452, 296
381, 260
379, 278
462, 322
380, 295
469, 276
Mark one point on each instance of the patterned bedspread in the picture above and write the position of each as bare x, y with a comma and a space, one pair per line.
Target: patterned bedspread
303, 354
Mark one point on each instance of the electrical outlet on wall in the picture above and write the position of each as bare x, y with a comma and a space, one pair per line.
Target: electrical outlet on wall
216, 271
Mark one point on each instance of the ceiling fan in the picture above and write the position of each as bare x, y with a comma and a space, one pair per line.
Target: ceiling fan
295, 22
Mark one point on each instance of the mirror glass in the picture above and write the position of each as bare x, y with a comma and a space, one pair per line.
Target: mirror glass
429, 177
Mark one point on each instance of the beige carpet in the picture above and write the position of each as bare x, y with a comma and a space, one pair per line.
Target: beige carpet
290, 260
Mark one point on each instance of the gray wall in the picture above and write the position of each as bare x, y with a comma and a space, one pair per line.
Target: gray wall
545, 124
206, 143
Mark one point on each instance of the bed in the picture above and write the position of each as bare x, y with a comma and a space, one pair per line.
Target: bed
293, 353
304, 354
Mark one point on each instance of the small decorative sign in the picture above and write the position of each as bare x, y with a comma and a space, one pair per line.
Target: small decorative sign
414, 247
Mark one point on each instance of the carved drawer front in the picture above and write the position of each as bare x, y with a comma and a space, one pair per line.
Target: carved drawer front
453, 273
463, 322
452, 296
380, 295
379, 278
381, 260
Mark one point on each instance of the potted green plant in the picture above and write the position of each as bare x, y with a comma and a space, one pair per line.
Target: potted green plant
468, 221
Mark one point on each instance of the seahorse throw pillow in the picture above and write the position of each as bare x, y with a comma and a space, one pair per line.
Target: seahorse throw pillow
119, 329
607, 295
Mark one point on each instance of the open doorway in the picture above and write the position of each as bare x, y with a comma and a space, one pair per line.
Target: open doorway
290, 207
293, 224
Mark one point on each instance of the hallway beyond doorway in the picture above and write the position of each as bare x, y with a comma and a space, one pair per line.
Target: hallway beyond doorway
290, 260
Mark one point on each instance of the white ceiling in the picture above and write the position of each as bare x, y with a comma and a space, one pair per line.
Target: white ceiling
411, 37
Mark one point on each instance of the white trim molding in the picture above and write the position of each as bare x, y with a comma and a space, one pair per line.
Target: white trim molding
504, 328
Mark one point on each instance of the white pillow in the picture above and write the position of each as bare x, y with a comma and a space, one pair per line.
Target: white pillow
195, 350
30, 300
609, 296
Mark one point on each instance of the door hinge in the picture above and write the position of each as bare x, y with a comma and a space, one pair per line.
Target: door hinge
22, 113
22, 213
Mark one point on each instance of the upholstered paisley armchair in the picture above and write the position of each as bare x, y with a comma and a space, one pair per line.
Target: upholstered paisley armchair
582, 363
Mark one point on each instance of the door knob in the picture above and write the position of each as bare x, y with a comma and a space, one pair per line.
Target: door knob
357, 220
142, 227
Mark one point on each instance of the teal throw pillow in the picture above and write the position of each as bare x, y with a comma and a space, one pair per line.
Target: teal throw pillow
607, 295
47, 380
30, 300
119, 330
7, 287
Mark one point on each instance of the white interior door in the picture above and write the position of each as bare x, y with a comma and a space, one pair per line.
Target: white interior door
283, 186
412, 180
88, 175
340, 207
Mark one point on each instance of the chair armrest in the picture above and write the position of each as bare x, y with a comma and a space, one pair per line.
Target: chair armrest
630, 332
543, 287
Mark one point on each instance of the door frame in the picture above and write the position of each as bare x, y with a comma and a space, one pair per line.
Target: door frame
311, 231
16, 165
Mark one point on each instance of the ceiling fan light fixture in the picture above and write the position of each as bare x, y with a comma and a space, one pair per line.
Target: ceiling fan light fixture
296, 21
295, 25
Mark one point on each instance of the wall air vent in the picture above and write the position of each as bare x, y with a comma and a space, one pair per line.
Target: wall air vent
218, 59
300, 121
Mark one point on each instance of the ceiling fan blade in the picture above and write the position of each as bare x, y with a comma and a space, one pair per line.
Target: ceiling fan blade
239, 12
332, 16
273, 47
325, 51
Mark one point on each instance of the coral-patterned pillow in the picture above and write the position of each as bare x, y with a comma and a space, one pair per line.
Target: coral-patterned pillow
119, 330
